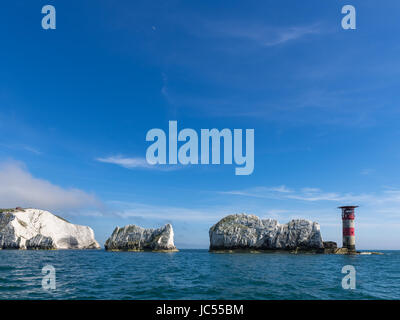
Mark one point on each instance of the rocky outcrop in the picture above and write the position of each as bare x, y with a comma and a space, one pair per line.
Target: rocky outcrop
330, 247
134, 238
248, 232
39, 229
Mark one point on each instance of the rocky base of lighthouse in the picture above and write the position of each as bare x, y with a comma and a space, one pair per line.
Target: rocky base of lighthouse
353, 252
330, 247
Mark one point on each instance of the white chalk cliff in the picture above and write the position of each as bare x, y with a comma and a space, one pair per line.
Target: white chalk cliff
243, 231
135, 238
39, 229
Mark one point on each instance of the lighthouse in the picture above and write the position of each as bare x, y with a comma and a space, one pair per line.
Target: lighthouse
349, 239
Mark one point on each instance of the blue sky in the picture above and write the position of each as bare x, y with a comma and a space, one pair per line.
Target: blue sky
323, 102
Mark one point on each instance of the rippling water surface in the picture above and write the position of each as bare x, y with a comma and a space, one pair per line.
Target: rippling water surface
196, 274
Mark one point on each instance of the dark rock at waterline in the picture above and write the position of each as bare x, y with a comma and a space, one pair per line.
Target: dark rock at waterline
330, 247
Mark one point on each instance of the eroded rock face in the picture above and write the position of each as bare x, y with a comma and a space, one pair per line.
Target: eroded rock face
330, 247
134, 238
40, 229
244, 231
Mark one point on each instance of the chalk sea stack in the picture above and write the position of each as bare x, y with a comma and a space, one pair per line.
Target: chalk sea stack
135, 238
40, 229
248, 232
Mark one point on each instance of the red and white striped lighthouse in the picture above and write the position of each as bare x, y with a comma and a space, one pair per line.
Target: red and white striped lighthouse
349, 238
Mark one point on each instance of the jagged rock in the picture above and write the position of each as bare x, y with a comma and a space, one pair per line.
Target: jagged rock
134, 238
330, 247
243, 231
39, 229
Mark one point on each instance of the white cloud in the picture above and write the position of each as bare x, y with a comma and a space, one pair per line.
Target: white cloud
19, 188
150, 211
261, 192
126, 162
33, 150
139, 163
385, 197
265, 36
289, 34
21, 147
282, 188
366, 172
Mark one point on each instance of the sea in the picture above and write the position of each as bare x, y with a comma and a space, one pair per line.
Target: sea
195, 274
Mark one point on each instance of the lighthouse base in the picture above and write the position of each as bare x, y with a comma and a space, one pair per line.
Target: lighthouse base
345, 251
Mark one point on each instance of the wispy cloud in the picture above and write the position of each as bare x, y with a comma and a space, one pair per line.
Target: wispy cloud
33, 150
261, 192
126, 162
282, 189
19, 188
152, 211
21, 147
314, 107
292, 33
388, 196
261, 34
138, 163
366, 172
